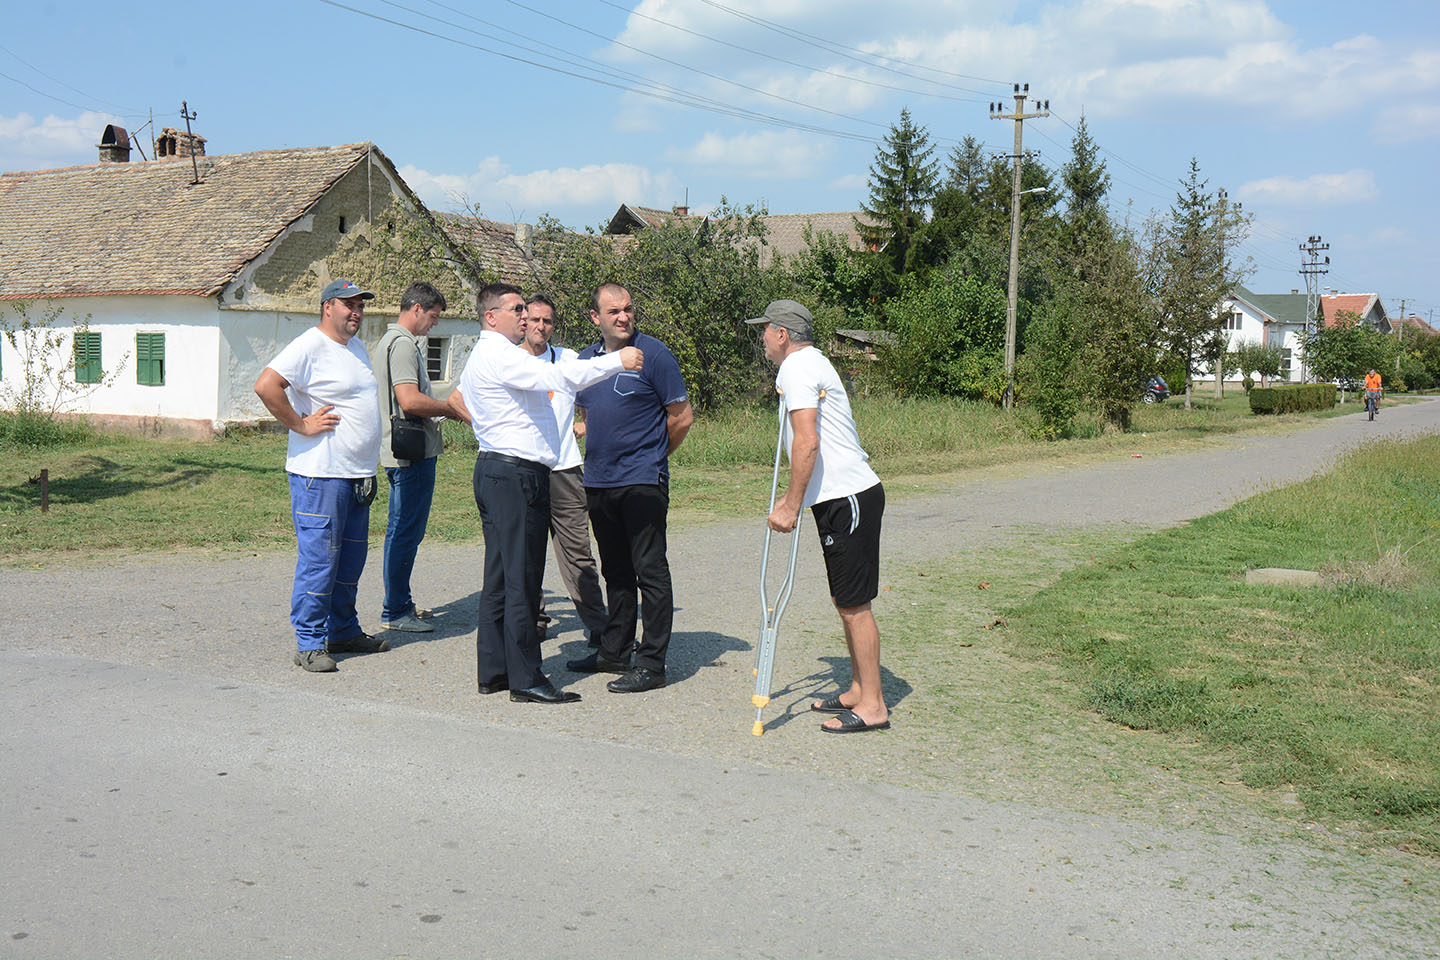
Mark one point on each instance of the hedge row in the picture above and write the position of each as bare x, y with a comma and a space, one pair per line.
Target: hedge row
1293, 399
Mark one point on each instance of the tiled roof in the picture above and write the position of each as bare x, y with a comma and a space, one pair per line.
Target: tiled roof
1416, 323
785, 232
1357, 303
132, 228
493, 243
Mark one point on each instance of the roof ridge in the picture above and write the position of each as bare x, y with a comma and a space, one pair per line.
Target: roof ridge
157, 163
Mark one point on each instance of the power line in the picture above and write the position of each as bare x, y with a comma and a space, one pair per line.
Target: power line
685, 100
656, 56
831, 46
767, 56
128, 111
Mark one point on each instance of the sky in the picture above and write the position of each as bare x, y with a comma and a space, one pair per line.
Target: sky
1320, 118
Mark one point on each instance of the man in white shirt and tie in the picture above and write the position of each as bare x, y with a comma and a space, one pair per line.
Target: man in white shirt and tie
504, 394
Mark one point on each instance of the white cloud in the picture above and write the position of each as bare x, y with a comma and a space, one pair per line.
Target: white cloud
771, 154
850, 181
1105, 56
53, 140
1408, 123
565, 191
1321, 189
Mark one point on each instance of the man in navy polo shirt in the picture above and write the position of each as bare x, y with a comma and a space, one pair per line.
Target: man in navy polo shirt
632, 425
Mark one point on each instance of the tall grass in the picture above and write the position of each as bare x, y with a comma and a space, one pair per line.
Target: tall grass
1332, 690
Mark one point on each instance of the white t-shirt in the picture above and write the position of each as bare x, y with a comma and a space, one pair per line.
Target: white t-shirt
807, 381
323, 373
563, 401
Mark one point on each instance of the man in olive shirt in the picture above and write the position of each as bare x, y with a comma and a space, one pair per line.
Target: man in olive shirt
400, 367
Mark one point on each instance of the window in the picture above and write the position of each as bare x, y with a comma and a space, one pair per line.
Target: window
1285, 363
437, 358
150, 359
1232, 320
87, 358
342, 224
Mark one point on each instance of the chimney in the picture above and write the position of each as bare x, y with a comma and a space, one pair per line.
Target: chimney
114, 145
178, 143
1293, 291
681, 210
525, 239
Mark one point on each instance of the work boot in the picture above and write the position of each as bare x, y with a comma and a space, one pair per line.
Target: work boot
360, 643
408, 623
315, 661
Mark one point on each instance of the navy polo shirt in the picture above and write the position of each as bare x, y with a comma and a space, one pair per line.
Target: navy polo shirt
625, 437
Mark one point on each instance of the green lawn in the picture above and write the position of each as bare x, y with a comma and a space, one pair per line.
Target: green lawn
1332, 691
115, 493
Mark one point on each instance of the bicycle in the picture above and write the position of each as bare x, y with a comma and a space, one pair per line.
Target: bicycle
1372, 403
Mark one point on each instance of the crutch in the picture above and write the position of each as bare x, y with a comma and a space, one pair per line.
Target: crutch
771, 612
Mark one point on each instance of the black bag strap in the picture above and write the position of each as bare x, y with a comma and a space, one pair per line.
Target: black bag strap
390, 372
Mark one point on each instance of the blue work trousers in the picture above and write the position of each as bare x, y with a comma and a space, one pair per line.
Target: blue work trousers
332, 532
411, 490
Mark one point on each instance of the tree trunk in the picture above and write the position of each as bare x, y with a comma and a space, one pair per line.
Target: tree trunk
1220, 379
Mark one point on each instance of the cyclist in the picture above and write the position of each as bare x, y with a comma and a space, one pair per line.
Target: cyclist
1372, 392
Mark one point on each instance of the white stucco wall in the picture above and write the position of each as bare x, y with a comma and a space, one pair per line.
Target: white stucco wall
189, 325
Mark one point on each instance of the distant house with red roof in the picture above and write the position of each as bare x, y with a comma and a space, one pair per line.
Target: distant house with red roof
1366, 306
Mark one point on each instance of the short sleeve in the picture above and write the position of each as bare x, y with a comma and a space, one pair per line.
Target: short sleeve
799, 390
293, 363
666, 378
404, 359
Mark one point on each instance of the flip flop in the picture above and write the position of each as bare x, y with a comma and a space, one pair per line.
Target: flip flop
850, 722
830, 705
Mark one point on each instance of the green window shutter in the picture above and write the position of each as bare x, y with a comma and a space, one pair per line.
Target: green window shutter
87, 358
150, 359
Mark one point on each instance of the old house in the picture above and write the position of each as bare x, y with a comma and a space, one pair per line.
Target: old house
194, 271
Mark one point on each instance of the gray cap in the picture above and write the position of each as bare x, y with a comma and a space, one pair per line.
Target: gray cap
789, 315
344, 289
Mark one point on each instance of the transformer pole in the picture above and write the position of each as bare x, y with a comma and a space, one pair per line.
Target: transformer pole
1311, 269
1012, 304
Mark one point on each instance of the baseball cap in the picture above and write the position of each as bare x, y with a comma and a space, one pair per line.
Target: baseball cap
789, 315
344, 289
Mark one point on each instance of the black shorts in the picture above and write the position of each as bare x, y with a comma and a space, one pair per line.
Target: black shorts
849, 529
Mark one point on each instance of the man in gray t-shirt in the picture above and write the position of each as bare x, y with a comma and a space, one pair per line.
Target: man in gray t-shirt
399, 361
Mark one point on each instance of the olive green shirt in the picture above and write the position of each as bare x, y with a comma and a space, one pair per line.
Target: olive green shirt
404, 364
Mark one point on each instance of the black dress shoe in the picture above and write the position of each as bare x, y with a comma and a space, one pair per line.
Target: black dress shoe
638, 680
543, 692
493, 687
596, 664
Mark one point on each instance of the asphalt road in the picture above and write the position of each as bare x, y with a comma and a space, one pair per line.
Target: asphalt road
173, 787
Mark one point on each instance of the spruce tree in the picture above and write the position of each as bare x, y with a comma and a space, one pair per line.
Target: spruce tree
1195, 272
1086, 220
902, 186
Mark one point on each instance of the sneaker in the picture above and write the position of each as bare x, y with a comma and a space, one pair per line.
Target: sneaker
315, 661
360, 643
409, 623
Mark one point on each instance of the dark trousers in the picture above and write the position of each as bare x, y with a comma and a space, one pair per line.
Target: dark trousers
514, 502
629, 524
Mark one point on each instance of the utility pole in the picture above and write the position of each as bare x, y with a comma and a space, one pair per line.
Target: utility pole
1224, 224
1400, 335
187, 116
1011, 305
1311, 269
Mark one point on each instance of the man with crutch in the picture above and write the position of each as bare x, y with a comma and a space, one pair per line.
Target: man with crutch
830, 473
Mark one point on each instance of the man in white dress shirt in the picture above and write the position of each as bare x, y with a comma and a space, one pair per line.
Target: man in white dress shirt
504, 394
569, 518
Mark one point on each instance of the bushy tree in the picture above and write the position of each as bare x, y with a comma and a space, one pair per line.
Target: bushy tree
693, 289
47, 348
1248, 356
947, 335
828, 272
902, 185
1346, 351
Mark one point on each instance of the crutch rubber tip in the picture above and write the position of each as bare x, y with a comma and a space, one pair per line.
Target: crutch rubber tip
755, 672
760, 702
758, 729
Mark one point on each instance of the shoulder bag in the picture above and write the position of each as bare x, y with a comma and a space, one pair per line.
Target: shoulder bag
407, 436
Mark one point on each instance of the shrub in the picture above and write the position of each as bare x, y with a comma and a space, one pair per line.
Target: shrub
1296, 398
32, 430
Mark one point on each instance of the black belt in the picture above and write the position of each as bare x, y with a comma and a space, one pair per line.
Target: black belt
517, 461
